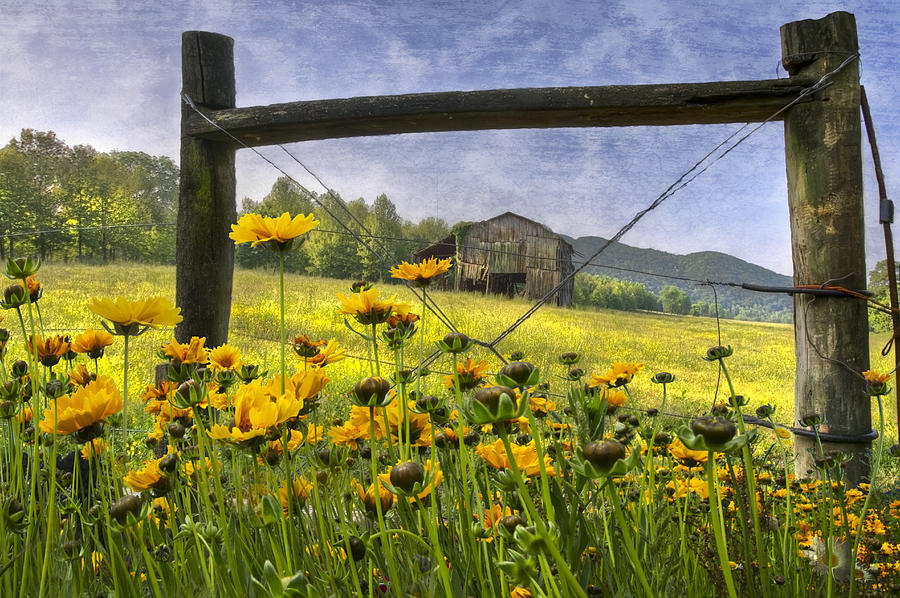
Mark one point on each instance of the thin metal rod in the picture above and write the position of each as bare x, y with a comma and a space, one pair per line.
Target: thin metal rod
886, 223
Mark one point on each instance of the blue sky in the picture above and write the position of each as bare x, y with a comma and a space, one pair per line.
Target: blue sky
107, 73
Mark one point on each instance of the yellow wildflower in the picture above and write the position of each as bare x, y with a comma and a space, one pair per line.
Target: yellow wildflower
525, 457
619, 373
421, 274
280, 231
87, 406
192, 352
92, 342
366, 308
225, 357
126, 315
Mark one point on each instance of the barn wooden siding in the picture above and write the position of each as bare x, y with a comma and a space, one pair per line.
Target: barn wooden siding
505, 252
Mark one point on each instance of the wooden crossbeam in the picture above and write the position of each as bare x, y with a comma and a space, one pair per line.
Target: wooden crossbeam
549, 107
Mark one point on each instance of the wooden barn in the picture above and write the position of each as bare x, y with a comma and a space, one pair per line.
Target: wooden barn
507, 254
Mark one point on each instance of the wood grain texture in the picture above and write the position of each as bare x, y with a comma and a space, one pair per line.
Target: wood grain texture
611, 106
204, 262
824, 171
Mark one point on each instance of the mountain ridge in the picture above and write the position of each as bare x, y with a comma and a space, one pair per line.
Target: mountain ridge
656, 269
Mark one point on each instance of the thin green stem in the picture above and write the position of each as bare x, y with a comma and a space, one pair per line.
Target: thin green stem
715, 513
786, 539
538, 522
124, 438
281, 307
436, 548
862, 514
750, 479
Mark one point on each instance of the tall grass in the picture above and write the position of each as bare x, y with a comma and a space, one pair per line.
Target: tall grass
489, 491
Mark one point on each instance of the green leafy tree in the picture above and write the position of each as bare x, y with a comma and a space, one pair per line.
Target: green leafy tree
79, 203
611, 293
81, 206
879, 284
15, 188
334, 252
583, 288
386, 228
151, 182
674, 300
34, 184
426, 231
702, 308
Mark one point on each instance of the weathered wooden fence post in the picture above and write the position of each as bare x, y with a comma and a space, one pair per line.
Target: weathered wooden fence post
204, 264
825, 193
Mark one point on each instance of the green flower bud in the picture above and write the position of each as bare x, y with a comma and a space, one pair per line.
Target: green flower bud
716, 431
55, 388
738, 401
718, 352
14, 296
405, 376
22, 267
406, 475
603, 454
662, 378
570, 358
88, 433
128, 505
509, 523
357, 548
810, 420
765, 411
519, 374
248, 373
494, 404
18, 369
189, 394
455, 342
176, 430
168, 463
371, 392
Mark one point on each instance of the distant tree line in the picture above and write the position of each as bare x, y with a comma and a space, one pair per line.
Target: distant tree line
607, 292
60, 202
75, 203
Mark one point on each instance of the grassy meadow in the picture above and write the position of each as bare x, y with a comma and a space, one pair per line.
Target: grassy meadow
762, 367
360, 487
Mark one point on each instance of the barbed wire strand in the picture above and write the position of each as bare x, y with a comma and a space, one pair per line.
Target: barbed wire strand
433, 305
700, 282
685, 179
698, 168
438, 313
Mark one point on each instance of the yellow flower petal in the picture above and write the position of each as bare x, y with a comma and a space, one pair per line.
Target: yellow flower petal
154, 312
256, 229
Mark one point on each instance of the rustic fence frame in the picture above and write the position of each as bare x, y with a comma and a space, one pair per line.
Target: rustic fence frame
824, 172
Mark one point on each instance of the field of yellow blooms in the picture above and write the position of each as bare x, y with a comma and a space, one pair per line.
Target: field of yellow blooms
317, 454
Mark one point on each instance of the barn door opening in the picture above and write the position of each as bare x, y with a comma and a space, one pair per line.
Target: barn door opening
511, 284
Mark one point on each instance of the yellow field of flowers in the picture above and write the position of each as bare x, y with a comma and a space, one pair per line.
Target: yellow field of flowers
370, 477
762, 367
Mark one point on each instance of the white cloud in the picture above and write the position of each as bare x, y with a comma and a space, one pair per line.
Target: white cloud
107, 73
